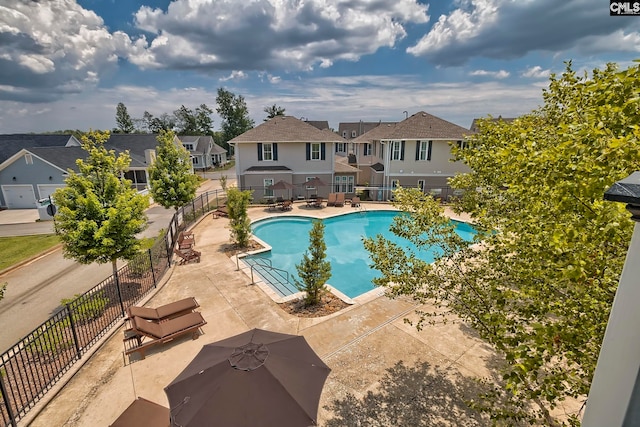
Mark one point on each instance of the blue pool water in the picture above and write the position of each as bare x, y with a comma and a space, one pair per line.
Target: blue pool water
350, 262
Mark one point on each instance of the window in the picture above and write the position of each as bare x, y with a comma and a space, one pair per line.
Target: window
194, 160
353, 134
307, 179
316, 151
367, 149
341, 147
268, 192
188, 147
395, 183
344, 133
267, 151
343, 184
423, 150
397, 150
462, 144
421, 184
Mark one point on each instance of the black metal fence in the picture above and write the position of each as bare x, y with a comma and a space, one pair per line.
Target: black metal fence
32, 366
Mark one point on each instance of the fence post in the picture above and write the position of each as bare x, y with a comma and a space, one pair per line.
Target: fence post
115, 275
73, 329
7, 404
153, 273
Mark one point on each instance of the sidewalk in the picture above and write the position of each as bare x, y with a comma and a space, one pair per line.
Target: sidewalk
358, 343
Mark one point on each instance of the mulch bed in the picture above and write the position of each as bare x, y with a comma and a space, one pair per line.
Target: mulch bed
329, 304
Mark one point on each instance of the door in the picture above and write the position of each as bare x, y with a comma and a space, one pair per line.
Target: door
19, 196
45, 190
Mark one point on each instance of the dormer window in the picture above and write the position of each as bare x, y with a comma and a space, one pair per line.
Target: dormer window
188, 147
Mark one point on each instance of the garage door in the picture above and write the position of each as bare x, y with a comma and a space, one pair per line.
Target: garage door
19, 196
45, 190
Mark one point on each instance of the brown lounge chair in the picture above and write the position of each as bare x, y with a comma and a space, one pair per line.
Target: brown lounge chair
355, 201
143, 412
221, 211
164, 312
160, 332
331, 201
187, 255
287, 205
186, 240
339, 200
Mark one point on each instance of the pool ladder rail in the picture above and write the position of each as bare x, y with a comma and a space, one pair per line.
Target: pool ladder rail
278, 279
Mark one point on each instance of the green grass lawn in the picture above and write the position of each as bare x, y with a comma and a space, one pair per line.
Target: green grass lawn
16, 249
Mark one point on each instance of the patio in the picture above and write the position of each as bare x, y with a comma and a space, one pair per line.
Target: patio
359, 344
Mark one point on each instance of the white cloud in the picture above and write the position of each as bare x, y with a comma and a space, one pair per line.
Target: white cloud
502, 74
342, 98
536, 73
271, 34
53, 47
235, 75
507, 29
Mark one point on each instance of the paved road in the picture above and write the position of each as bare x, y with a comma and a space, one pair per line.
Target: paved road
34, 291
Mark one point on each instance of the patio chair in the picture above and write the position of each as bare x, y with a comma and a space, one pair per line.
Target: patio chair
221, 211
143, 412
187, 255
186, 240
287, 205
339, 200
318, 202
312, 200
355, 201
164, 312
331, 201
144, 333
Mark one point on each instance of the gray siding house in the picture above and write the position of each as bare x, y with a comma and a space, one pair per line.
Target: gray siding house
285, 148
36, 172
415, 152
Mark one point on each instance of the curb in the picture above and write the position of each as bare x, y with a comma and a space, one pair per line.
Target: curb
28, 260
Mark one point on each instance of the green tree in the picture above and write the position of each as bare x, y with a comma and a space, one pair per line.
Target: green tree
172, 183
99, 213
123, 119
239, 222
185, 121
235, 115
314, 270
273, 111
540, 285
204, 122
164, 122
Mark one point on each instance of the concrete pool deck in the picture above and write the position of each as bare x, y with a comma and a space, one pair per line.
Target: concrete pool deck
359, 344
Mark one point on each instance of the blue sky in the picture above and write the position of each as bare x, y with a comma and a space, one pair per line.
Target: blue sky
66, 64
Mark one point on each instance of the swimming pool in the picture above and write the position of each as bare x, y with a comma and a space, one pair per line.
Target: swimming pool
351, 274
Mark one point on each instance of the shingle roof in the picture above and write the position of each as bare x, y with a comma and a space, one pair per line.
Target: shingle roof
267, 168
320, 124
418, 126
137, 144
62, 157
360, 127
286, 129
10, 144
378, 167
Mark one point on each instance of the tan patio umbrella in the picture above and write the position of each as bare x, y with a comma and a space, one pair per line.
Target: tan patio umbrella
282, 185
315, 182
257, 378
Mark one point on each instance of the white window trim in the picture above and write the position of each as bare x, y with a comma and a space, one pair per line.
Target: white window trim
265, 151
267, 182
396, 149
311, 154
